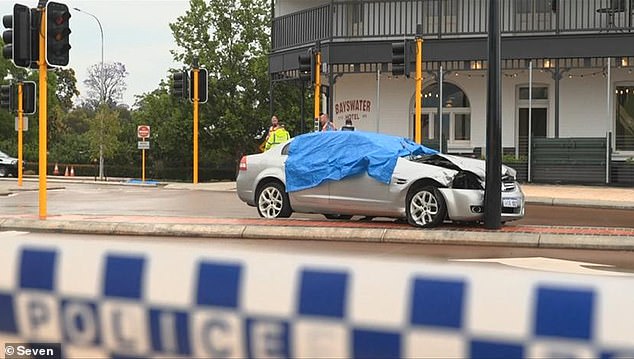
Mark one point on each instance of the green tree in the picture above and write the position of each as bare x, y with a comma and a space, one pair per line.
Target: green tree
231, 39
67, 87
104, 129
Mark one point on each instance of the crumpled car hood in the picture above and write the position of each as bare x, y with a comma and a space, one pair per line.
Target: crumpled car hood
476, 166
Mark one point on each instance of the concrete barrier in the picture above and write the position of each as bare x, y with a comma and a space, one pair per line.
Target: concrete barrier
149, 298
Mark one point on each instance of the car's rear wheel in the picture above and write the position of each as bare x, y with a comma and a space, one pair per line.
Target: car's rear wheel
3, 171
338, 216
273, 201
425, 207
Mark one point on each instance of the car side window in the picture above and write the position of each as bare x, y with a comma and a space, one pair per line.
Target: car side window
285, 149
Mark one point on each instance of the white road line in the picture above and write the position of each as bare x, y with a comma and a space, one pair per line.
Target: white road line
6, 234
552, 265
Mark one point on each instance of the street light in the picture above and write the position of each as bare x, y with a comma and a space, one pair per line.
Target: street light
102, 94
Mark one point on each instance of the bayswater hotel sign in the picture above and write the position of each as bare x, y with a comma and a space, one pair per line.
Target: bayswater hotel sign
355, 109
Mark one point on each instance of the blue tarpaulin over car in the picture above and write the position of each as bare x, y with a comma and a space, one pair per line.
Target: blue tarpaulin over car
320, 156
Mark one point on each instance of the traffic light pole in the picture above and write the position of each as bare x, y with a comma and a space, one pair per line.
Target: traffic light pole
419, 88
42, 116
196, 99
20, 128
493, 181
317, 87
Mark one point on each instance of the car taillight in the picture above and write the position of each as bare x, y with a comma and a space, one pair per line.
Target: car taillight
243, 163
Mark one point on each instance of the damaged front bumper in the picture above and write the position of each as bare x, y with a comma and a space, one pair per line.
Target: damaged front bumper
468, 204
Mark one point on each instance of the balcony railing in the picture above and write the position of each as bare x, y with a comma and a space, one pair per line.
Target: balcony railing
390, 19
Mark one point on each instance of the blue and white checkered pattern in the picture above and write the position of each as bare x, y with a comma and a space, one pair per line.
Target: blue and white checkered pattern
155, 299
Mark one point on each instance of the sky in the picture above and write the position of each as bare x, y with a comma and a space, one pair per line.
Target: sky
136, 33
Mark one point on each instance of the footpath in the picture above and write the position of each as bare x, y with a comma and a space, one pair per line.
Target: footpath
373, 231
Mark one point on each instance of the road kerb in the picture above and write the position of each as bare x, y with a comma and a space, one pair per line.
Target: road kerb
314, 233
245, 231
440, 236
79, 227
547, 240
180, 230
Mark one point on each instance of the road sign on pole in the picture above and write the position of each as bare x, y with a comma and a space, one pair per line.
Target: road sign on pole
144, 145
143, 131
25, 123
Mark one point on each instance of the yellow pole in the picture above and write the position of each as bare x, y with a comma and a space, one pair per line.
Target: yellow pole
42, 118
143, 172
196, 126
317, 87
419, 89
20, 128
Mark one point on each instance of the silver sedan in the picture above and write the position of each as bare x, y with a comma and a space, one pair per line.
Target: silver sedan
425, 190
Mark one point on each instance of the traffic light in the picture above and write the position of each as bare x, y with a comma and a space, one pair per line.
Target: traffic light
306, 66
17, 37
398, 58
181, 85
202, 86
36, 26
7, 97
28, 97
57, 34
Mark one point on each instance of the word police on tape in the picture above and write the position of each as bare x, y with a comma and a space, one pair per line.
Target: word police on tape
145, 299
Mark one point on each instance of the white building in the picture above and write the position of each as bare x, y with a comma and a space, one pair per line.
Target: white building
581, 53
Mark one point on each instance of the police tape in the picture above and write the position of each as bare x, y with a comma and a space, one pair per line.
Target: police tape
141, 299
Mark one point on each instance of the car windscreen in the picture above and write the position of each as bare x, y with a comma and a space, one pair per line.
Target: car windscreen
4, 155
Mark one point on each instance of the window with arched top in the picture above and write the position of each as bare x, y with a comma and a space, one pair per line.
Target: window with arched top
456, 114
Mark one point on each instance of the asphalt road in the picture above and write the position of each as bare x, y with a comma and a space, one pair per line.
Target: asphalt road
131, 200
589, 262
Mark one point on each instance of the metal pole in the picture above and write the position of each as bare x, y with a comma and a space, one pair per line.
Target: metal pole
607, 157
102, 95
271, 97
42, 117
608, 90
493, 186
530, 117
440, 76
608, 115
196, 70
317, 88
143, 174
20, 128
419, 88
378, 98
331, 90
557, 96
301, 105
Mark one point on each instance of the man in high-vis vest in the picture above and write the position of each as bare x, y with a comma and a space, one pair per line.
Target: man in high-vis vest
279, 135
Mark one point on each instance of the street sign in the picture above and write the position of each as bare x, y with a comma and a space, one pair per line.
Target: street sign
143, 131
144, 145
25, 123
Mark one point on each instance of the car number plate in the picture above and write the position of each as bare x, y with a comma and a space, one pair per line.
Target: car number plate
510, 202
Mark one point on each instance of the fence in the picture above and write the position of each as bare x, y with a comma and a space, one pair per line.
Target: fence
570, 160
168, 171
447, 18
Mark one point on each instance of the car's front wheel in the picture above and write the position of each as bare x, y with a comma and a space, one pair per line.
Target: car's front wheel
425, 207
273, 201
3, 171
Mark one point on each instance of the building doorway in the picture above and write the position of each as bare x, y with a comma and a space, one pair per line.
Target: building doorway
539, 127
624, 128
539, 122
